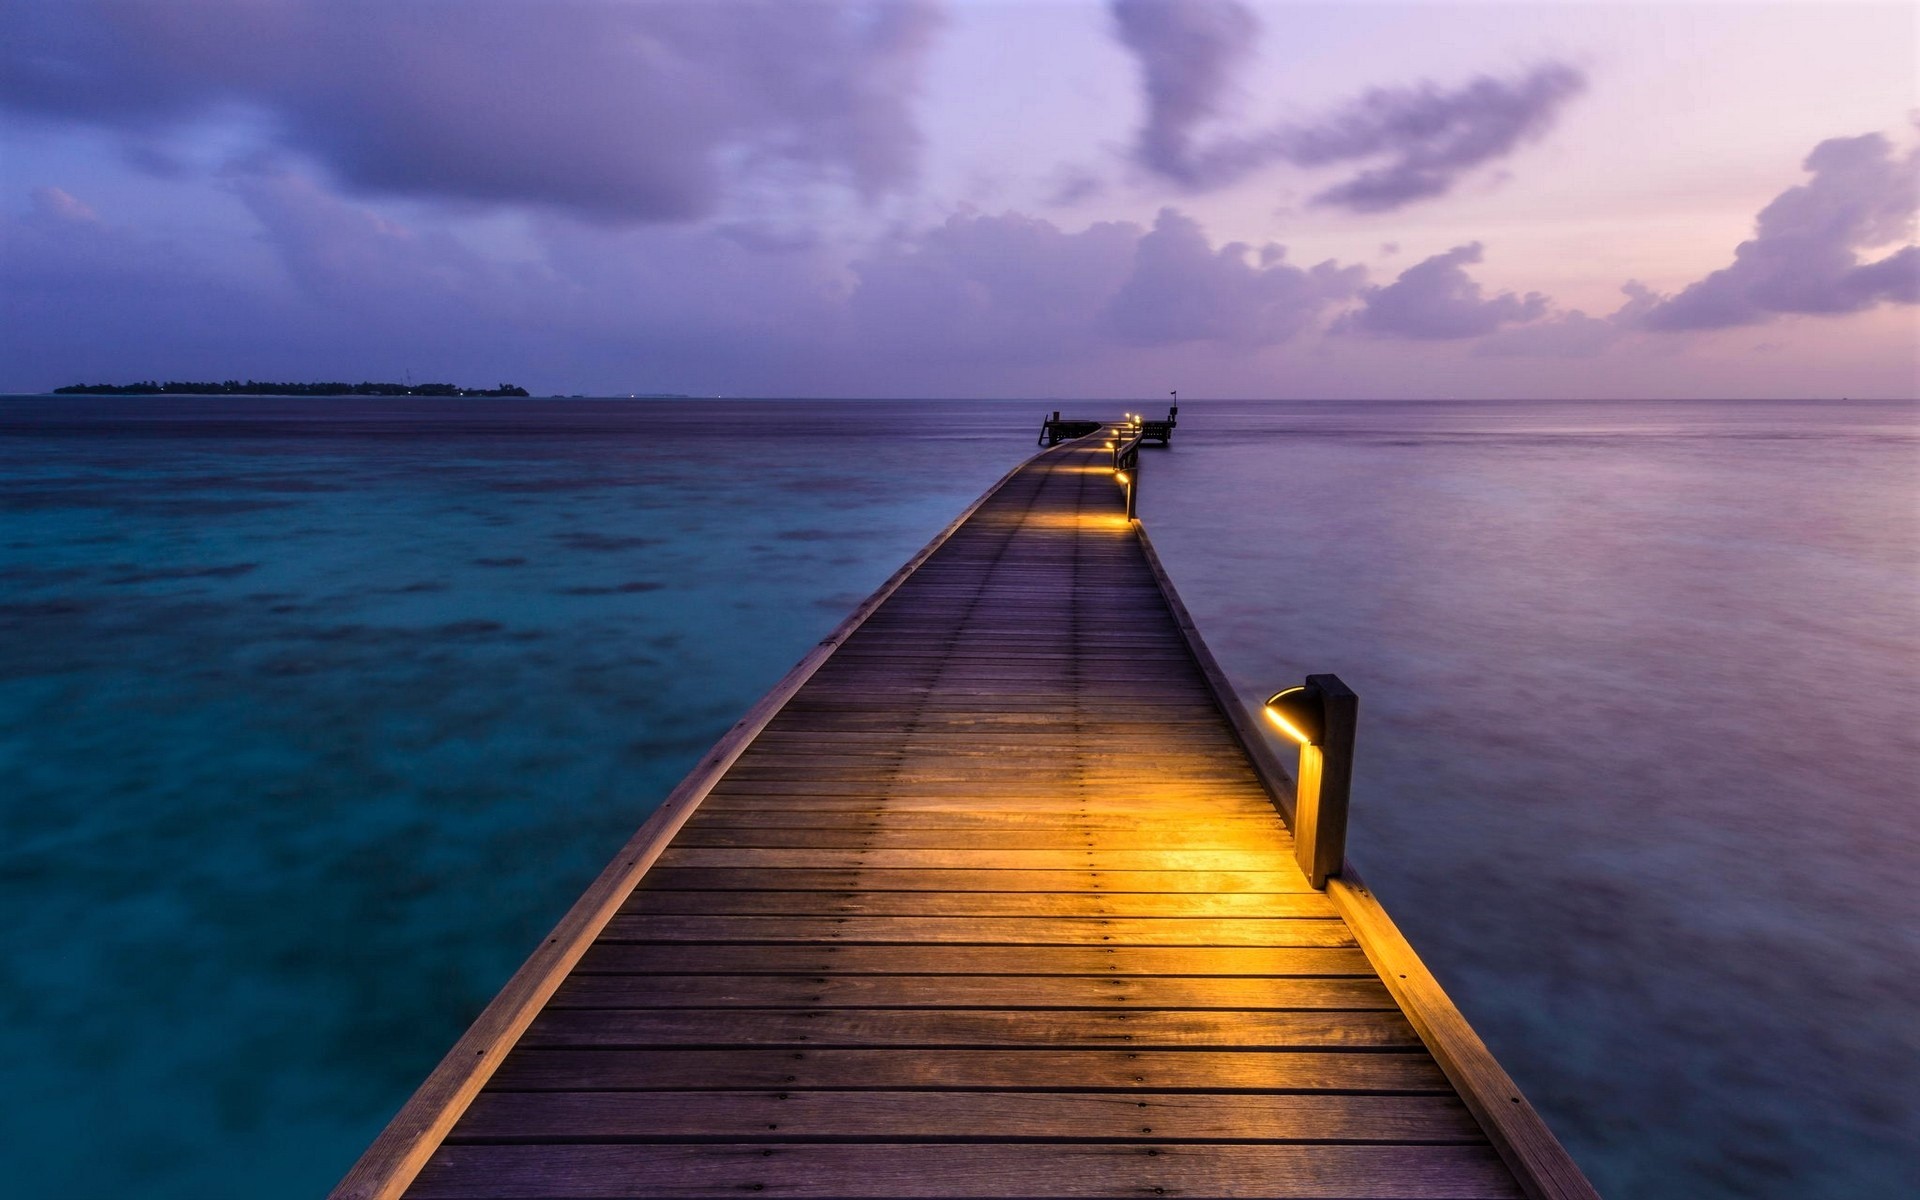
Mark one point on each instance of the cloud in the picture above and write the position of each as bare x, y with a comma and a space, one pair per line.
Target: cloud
1017, 289
1010, 286
642, 112
1075, 185
1182, 290
1423, 139
327, 286
52, 204
1188, 53
1429, 136
357, 261
84, 299
1436, 299
1804, 256
1573, 334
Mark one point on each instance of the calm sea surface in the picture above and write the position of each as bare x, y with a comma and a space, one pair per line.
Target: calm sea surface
315, 715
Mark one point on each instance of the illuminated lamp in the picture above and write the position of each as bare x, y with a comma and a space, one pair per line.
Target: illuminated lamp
1320, 715
1130, 481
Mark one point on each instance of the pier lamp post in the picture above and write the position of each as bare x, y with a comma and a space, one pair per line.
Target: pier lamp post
1320, 714
1126, 465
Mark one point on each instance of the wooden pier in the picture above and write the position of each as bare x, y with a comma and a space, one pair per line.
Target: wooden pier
990, 897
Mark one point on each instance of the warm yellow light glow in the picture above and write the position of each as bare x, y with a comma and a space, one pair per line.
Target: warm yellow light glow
1080, 523
1120, 476
1286, 727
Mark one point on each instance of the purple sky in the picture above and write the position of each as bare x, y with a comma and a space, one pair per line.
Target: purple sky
965, 199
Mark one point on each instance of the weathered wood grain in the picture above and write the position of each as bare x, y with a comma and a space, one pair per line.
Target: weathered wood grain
607, 957
1273, 1172
1200, 836
1372, 1029
881, 879
975, 1068
884, 856
1087, 903
610, 990
1036, 931
942, 1116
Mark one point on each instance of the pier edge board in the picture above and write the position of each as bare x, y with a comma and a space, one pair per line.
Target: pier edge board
1540, 1164
401, 1149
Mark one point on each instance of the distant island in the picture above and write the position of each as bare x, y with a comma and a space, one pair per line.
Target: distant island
254, 387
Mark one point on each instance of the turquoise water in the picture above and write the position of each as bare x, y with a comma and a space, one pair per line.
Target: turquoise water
318, 713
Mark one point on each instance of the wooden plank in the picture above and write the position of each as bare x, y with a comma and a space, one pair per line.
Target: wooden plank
1000, 797
1084, 903
880, 879
1059, 778
948, 1116
1118, 726
828, 959
1044, 860
1058, 931
583, 990
1033, 768
1051, 1029
1155, 822
1012, 778
1248, 841
1277, 1172
534, 1069
1038, 745
1196, 742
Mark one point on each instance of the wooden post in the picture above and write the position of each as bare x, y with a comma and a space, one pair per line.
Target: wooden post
1326, 780
1133, 486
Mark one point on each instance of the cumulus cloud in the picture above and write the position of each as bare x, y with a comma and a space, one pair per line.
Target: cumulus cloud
1023, 290
1573, 334
343, 288
1436, 299
1422, 140
1008, 286
1181, 289
371, 279
620, 111
1805, 253
1018, 288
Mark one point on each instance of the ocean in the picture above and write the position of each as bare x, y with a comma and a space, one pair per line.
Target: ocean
316, 714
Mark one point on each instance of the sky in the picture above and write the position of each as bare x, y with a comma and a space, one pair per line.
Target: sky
1022, 198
